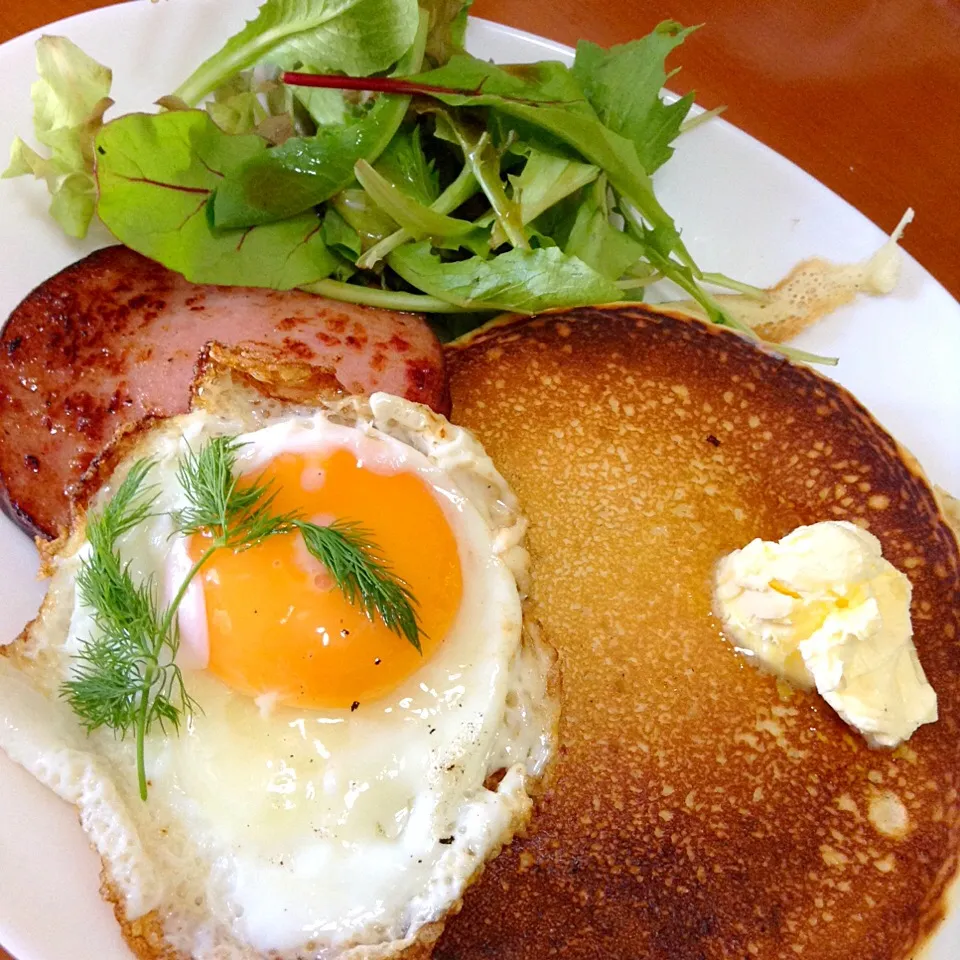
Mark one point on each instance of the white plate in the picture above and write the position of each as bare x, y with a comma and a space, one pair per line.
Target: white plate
744, 210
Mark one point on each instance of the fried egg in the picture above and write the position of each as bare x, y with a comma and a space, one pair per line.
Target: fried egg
336, 790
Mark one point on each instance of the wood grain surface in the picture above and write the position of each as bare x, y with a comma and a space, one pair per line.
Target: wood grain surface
863, 94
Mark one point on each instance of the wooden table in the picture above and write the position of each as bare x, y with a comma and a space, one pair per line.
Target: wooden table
865, 95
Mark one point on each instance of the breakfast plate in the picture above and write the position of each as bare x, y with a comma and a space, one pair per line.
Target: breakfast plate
744, 211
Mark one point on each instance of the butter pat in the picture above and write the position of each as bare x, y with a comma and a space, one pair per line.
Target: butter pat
822, 608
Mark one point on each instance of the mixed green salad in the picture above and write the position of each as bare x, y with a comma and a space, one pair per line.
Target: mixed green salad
353, 148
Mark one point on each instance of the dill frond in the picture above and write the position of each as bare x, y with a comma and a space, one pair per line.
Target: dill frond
351, 558
125, 677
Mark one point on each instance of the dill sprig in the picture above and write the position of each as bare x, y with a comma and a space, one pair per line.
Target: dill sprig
363, 577
125, 676
237, 517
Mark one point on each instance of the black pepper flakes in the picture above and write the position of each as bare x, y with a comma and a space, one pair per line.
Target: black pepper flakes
446, 841
376, 662
712, 440
354, 705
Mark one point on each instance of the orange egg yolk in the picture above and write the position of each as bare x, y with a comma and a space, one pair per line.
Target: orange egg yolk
277, 623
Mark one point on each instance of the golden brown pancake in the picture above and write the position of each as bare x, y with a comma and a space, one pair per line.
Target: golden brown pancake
700, 809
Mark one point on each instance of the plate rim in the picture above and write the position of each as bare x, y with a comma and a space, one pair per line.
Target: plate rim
9, 934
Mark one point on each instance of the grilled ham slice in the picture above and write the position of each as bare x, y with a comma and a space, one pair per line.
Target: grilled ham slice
115, 337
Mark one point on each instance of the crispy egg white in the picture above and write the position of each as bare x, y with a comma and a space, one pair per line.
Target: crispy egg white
293, 814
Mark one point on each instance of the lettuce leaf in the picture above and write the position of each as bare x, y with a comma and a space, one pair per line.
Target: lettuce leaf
545, 180
482, 157
155, 175
327, 108
623, 85
405, 164
596, 241
448, 28
305, 171
343, 242
453, 197
523, 281
69, 101
340, 237
235, 106
547, 96
356, 37
417, 218
370, 223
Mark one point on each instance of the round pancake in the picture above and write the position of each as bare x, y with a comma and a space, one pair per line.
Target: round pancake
699, 808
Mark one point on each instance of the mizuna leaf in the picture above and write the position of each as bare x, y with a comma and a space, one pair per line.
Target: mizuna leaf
623, 85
